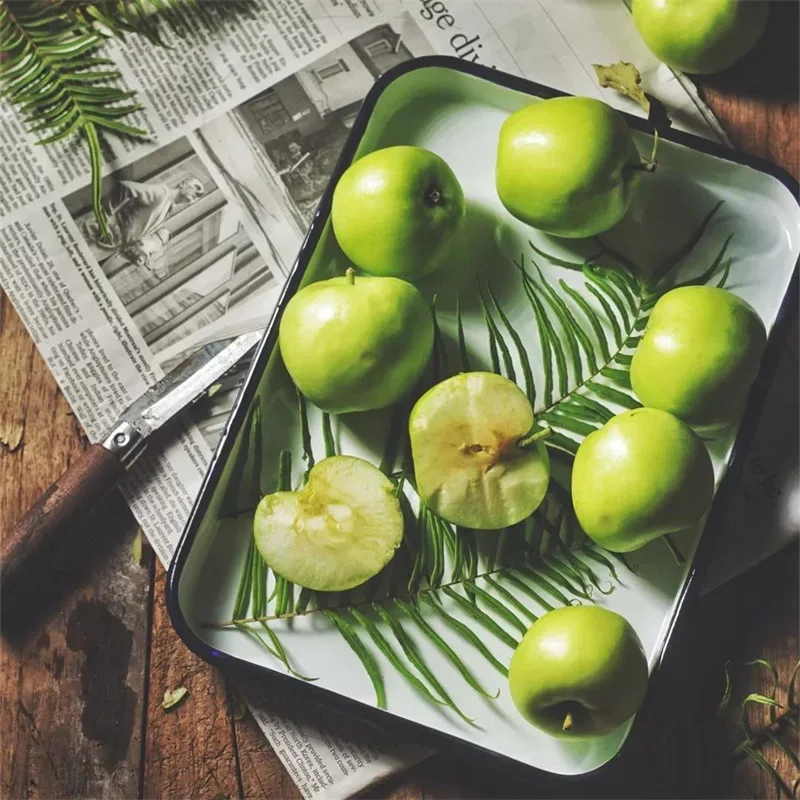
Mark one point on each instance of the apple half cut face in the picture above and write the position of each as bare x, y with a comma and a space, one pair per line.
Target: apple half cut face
335, 533
468, 464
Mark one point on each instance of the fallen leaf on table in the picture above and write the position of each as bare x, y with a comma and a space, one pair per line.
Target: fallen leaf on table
136, 548
239, 708
173, 696
624, 78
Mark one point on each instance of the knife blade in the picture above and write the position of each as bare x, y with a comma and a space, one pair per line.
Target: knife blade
103, 464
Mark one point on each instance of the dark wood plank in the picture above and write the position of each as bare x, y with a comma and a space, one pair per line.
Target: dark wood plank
189, 749
73, 651
757, 100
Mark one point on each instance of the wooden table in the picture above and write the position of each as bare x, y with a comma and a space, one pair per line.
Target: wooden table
81, 684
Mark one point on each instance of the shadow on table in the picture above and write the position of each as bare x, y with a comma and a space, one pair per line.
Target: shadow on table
770, 71
57, 570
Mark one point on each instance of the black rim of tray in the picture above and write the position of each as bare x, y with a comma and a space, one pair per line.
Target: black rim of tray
326, 698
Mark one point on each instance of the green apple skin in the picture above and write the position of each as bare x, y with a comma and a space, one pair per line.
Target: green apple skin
700, 36
356, 343
699, 356
398, 212
643, 474
564, 166
585, 661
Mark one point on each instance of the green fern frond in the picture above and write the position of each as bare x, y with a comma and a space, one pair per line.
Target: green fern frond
466, 632
364, 656
48, 74
50, 54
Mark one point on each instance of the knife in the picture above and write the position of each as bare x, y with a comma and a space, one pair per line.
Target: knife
103, 464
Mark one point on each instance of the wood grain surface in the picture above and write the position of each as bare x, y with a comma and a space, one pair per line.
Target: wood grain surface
83, 677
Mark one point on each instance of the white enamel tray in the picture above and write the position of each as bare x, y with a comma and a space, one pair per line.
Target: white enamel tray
456, 109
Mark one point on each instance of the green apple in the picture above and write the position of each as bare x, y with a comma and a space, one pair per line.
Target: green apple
567, 166
474, 462
579, 672
398, 212
356, 343
337, 532
643, 474
699, 356
700, 36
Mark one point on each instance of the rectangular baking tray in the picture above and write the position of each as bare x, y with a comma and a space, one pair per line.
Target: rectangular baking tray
455, 109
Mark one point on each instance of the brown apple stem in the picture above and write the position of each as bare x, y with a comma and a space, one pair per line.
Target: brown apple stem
653, 159
534, 437
350, 274
567, 726
673, 548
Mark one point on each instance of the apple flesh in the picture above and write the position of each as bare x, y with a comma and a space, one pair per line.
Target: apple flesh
700, 36
642, 475
567, 166
699, 356
471, 462
335, 533
579, 672
397, 212
356, 343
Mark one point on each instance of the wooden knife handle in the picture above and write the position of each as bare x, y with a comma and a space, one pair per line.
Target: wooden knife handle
74, 494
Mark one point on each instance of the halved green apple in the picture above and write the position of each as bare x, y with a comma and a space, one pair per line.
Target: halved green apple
335, 533
468, 464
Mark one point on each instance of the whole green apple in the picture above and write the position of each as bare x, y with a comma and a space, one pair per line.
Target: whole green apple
356, 343
643, 474
699, 356
700, 36
567, 166
398, 212
579, 672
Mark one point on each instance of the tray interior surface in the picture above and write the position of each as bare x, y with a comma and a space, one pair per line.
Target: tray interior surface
458, 116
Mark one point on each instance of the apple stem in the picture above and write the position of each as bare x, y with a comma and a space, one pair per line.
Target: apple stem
350, 274
534, 437
650, 164
567, 726
653, 159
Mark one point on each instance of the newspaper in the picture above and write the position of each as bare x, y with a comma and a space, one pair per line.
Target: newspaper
207, 217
